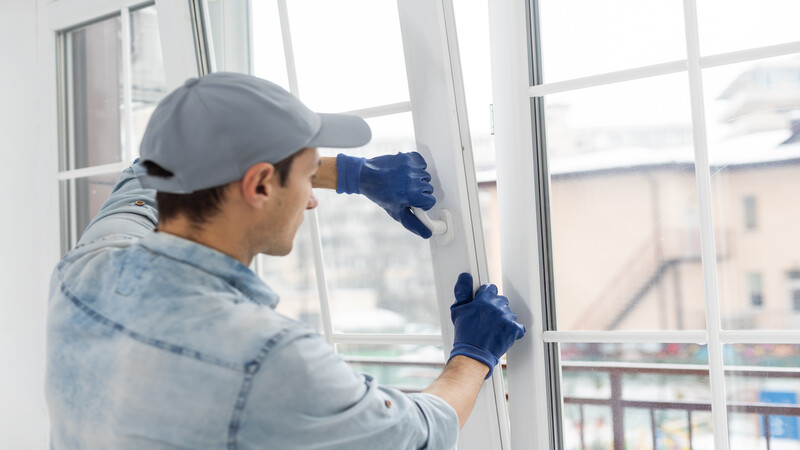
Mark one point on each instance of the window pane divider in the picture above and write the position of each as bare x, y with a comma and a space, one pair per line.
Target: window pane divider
678, 337
386, 339
288, 49
666, 68
760, 336
93, 170
637, 73
719, 411
319, 269
750, 54
312, 215
382, 110
127, 89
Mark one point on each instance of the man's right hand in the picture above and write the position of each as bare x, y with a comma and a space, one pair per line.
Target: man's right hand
485, 327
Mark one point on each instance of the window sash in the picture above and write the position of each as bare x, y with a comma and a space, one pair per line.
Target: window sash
519, 128
442, 138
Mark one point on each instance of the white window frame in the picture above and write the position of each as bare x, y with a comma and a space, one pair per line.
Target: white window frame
438, 107
60, 17
535, 402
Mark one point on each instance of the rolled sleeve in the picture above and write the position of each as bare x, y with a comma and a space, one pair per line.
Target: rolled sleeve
304, 396
129, 212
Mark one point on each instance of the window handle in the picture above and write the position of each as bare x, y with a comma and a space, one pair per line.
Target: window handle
442, 228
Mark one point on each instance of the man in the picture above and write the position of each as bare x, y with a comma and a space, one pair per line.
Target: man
166, 339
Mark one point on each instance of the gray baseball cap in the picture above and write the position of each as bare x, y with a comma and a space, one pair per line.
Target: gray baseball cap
209, 131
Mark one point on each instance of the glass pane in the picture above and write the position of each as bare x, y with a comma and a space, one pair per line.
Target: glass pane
623, 202
90, 194
410, 368
94, 93
635, 396
64, 192
763, 388
473, 46
380, 276
294, 279
753, 118
349, 54
587, 37
269, 61
730, 25
148, 82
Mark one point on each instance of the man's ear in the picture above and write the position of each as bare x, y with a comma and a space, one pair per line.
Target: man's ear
258, 184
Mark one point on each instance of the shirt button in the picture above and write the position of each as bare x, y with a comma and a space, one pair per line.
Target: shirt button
251, 367
388, 403
139, 203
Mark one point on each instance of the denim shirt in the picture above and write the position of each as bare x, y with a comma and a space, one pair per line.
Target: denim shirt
157, 342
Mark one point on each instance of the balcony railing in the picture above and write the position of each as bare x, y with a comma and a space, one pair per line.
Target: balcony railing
618, 404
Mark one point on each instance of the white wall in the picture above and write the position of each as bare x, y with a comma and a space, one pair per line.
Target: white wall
28, 223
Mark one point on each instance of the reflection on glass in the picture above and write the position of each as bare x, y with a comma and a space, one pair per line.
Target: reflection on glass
293, 278
731, 25
348, 61
588, 37
623, 203
380, 276
405, 367
763, 388
90, 194
753, 117
94, 85
148, 83
635, 396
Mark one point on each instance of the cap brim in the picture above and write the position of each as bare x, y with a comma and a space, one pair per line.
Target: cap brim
341, 131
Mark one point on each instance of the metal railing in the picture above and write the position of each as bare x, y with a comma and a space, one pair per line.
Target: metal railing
618, 404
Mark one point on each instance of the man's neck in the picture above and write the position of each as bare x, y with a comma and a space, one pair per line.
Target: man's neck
218, 235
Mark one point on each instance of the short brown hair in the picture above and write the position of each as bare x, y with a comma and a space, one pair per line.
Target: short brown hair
200, 206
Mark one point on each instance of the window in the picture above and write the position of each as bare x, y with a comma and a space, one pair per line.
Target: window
794, 289
754, 290
365, 283
618, 122
113, 78
750, 212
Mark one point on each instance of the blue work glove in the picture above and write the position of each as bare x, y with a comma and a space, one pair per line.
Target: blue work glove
485, 327
394, 182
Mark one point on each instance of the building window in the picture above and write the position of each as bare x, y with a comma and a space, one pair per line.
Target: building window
755, 290
750, 212
794, 289
113, 76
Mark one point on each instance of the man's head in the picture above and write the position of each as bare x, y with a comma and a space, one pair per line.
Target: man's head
230, 145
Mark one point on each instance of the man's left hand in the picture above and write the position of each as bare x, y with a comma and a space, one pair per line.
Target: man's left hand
395, 182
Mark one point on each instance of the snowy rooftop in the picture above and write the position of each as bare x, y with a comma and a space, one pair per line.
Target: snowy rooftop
751, 149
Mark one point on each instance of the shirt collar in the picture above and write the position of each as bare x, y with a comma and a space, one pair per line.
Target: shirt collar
214, 262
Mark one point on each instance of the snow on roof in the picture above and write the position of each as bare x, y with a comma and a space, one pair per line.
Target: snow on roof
744, 150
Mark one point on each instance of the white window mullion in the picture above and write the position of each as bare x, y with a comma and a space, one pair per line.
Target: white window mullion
312, 216
382, 110
708, 248
288, 49
752, 54
433, 92
127, 89
69, 127
319, 268
73, 214
519, 245
760, 337
93, 170
540, 90
386, 339
634, 337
